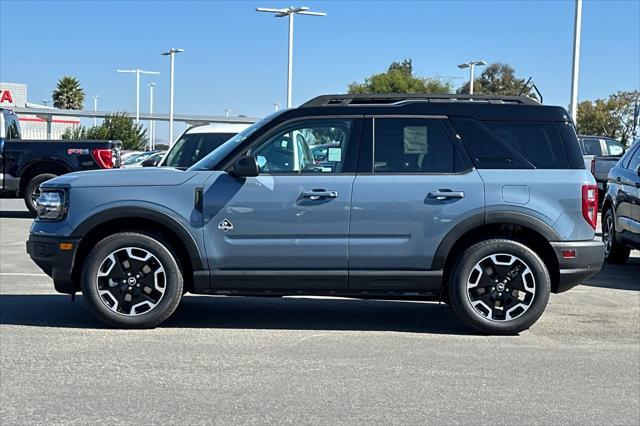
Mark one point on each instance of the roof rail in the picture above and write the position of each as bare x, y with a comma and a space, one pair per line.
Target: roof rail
401, 98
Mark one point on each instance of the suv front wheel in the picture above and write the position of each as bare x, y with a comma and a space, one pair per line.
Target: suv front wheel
499, 286
131, 280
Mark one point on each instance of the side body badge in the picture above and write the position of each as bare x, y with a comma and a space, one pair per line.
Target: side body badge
225, 225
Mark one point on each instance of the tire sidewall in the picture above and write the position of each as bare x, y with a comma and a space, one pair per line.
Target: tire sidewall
33, 184
170, 299
462, 304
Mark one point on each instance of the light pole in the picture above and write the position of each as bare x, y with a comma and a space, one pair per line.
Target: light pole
227, 111
137, 72
290, 11
152, 123
45, 102
577, 27
471, 65
276, 106
95, 108
171, 53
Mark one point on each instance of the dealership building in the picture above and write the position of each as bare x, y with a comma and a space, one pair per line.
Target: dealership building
14, 95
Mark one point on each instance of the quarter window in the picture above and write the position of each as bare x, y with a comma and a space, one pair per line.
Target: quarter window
412, 145
291, 150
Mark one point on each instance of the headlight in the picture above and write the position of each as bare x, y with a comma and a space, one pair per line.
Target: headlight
51, 205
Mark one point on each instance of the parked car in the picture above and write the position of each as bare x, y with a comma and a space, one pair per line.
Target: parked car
25, 164
621, 207
480, 201
136, 160
153, 157
600, 155
195, 143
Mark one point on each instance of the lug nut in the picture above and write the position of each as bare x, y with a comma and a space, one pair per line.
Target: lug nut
128, 274
493, 288
130, 288
137, 285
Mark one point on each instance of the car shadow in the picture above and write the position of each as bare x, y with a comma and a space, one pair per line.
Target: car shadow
13, 214
249, 313
620, 277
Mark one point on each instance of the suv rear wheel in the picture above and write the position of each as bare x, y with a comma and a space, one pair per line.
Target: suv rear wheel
131, 280
499, 286
614, 252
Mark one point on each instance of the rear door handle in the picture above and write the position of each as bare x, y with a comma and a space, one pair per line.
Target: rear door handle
444, 194
318, 194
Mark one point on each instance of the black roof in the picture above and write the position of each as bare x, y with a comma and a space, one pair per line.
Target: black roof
398, 98
480, 107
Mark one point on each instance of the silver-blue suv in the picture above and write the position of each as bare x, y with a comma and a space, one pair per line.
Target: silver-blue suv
481, 202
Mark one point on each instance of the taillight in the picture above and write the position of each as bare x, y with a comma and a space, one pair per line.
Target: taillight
103, 157
590, 204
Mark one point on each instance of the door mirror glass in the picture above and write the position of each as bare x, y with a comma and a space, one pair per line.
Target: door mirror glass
245, 166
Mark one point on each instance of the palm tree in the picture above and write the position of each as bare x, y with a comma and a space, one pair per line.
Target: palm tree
68, 94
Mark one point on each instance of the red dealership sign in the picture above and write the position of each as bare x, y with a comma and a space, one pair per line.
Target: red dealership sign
5, 96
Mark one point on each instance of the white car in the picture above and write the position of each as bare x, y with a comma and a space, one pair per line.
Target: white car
196, 142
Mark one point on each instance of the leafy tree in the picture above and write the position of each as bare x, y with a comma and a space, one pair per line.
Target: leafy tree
114, 127
399, 78
68, 94
612, 117
498, 79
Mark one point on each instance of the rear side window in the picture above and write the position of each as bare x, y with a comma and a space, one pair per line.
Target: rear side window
412, 145
592, 146
513, 144
191, 148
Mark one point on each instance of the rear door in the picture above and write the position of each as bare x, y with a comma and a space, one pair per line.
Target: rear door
414, 185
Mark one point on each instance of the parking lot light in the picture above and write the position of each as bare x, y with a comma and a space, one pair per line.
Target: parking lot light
171, 53
137, 72
471, 65
290, 11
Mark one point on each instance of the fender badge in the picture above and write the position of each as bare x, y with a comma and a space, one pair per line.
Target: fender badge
225, 225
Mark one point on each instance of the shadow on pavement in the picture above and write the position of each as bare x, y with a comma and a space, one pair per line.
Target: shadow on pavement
16, 214
620, 277
248, 313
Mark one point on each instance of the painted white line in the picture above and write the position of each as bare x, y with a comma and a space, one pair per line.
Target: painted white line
22, 274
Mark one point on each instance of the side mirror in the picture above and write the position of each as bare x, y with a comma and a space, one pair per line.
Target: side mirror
245, 166
152, 162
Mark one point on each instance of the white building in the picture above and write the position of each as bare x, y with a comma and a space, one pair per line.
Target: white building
14, 95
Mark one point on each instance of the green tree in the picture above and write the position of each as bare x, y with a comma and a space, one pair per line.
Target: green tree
68, 94
498, 79
612, 117
399, 78
114, 127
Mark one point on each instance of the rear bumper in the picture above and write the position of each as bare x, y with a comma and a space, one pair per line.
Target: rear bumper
46, 253
589, 256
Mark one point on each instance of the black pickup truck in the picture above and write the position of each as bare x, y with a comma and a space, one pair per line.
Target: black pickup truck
25, 164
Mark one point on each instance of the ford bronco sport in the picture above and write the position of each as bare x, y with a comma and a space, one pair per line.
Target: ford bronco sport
481, 202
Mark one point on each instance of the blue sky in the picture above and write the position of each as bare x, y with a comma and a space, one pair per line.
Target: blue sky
235, 57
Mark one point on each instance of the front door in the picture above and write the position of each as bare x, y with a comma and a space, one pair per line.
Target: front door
417, 187
288, 227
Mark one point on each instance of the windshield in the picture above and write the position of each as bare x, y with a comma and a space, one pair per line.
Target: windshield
215, 156
193, 147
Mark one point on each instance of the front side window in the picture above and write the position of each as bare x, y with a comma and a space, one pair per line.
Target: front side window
412, 145
291, 149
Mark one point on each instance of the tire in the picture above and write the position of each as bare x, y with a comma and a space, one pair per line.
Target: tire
107, 279
524, 295
614, 252
32, 191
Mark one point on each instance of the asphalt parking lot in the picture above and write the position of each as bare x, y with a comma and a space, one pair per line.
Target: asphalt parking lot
300, 360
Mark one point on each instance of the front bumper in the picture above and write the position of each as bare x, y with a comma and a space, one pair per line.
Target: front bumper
56, 262
589, 256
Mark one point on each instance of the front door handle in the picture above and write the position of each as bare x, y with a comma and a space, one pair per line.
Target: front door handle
318, 194
444, 194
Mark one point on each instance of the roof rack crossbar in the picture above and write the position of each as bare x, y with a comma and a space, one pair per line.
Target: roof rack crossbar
397, 98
